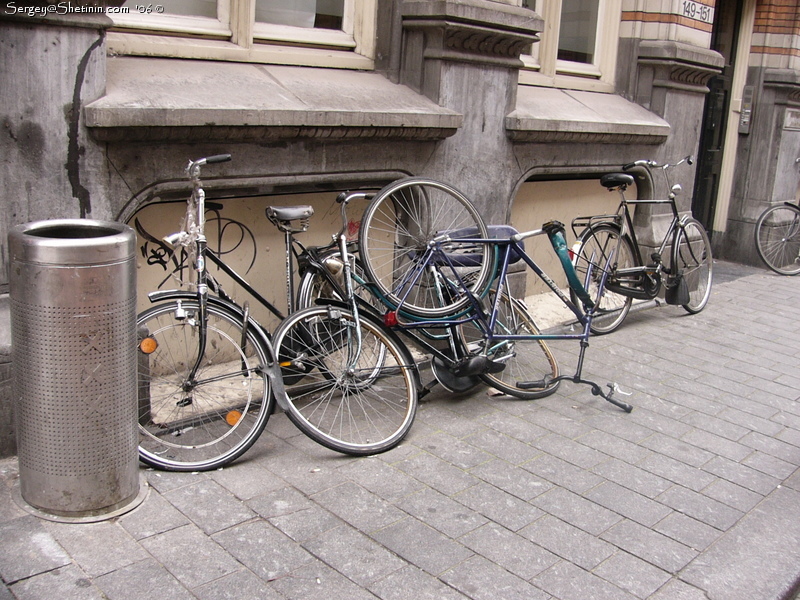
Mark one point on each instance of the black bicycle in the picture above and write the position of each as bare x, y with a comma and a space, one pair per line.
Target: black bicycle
208, 376
685, 275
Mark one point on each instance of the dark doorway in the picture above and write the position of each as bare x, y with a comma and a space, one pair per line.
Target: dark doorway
724, 39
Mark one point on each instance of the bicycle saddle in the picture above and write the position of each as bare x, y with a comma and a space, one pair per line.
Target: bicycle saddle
289, 213
614, 180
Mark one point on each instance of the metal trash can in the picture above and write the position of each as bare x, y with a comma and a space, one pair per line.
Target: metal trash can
73, 342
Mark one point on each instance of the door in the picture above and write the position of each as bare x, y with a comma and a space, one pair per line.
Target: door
727, 19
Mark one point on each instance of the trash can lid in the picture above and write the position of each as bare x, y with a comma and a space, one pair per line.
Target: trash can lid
71, 242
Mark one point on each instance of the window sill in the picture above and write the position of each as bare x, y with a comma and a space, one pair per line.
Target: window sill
553, 115
156, 99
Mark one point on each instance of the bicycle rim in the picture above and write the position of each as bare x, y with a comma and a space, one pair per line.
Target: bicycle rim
596, 245
355, 399
398, 225
211, 421
778, 238
525, 360
692, 257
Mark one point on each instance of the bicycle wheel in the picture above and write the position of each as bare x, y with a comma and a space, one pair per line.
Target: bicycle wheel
213, 419
778, 238
691, 254
525, 360
315, 285
357, 399
396, 229
596, 244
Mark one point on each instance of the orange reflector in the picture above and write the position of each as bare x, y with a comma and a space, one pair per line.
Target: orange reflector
232, 418
148, 345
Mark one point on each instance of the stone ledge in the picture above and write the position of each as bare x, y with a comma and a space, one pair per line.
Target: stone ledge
554, 115
174, 99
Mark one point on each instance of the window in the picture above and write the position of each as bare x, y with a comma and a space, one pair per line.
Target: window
337, 33
578, 46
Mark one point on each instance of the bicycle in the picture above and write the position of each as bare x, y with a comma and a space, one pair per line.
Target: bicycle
777, 236
686, 278
208, 374
443, 277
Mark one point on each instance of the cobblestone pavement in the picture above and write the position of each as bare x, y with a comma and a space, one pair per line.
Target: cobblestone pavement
694, 495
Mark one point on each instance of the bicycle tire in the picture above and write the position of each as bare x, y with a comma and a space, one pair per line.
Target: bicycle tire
777, 236
596, 243
315, 286
691, 254
396, 229
359, 409
525, 360
213, 421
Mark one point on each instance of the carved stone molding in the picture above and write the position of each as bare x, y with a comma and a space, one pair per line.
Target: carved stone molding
680, 66
477, 31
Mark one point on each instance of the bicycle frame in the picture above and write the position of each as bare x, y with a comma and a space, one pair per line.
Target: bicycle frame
505, 249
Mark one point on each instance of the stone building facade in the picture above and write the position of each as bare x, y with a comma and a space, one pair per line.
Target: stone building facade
520, 104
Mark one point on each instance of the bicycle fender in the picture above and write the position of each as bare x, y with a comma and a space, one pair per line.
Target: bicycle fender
272, 370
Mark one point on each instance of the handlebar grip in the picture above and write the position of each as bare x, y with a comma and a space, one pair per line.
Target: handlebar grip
218, 158
628, 167
342, 197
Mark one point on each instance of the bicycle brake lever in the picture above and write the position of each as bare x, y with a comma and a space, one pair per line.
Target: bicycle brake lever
616, 390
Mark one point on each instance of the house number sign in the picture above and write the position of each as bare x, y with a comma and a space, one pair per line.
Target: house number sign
696, 10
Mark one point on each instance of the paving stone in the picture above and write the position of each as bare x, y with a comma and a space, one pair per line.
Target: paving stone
502, 446
165, 481
717, 444
513, 426
498, 506
628, 503
480, 579
437, 473
310, 474
678, 449
775, 467
192, 557
155, 515
28, 549
246, 480
578, 511
457, 452
632, 574
566, 581
568, 542
750, 422
237, 586
451, 518
209, 506
732, 495
65, 583
358, 507
512, 479
688, 531
436, 555
144, 580
354, 555
513, 552
387, 481
571, 451
730, 569
649, 545
701, 507
772, 446
317, 581
263, 549
742, 475
677, 471
632, 477
410, 582
98, 548
563, 474
678, 590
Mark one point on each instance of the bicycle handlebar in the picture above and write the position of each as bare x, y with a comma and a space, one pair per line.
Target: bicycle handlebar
648, 164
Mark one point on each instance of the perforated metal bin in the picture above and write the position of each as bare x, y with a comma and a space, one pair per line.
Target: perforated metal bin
73, 340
